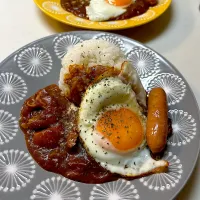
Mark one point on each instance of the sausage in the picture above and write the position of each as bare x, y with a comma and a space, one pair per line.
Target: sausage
157, 120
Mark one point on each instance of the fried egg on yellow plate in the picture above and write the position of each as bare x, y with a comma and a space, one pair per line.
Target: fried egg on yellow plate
113, 129
101, 10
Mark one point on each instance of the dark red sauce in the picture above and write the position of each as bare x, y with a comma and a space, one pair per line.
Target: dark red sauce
50, 130
78, 8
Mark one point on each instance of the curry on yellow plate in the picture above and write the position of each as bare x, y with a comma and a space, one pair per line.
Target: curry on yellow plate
54, 9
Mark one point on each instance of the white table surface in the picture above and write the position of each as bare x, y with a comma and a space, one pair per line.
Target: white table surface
175, 35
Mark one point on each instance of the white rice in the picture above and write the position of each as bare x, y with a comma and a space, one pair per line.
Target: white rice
94, 52
90, 53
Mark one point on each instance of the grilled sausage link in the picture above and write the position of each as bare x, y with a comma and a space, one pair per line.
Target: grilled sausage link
157, 120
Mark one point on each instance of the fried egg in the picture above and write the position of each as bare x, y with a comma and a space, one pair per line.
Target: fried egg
113, 129
101, 10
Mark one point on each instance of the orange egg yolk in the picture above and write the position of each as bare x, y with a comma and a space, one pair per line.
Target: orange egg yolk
122, 128
119, 2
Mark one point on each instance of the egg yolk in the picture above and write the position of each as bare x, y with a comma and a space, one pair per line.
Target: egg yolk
122, 128
119, 2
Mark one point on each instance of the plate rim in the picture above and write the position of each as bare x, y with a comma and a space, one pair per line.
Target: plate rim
51, 15
126, 38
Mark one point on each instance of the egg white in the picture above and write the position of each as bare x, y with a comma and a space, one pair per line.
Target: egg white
100, 10
112, 93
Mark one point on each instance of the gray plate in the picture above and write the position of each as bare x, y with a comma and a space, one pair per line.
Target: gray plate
37, 65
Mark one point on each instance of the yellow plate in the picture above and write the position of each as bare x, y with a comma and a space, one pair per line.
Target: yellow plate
53, 9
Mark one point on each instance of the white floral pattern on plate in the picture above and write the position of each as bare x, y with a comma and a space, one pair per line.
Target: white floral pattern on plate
63, 43
162, 181
53, 7
173, 85
118, 190
16, 170
144, 60
8, 126
184, 127
56, 188
34, 61
78, 20
113, 24
112, 39
12, 88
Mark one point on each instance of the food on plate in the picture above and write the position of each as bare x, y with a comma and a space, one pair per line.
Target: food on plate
94, 127
112, 129
103, 10
157, 124
94, 60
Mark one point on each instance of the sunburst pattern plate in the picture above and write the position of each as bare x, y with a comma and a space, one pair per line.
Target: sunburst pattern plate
37, 65
53, 9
